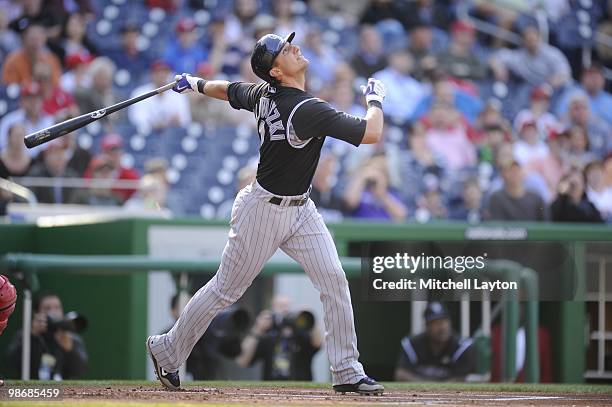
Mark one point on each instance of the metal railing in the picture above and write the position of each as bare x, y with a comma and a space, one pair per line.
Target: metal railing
542, 21
600, 334
18, 190
486, 27
87, 183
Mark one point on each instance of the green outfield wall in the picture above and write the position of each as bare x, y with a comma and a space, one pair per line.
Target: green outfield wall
116, 303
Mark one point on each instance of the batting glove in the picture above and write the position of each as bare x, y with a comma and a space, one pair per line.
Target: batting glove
186, 82
374, 91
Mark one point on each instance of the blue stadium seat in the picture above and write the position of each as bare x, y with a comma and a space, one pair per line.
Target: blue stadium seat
514, 99
8, 101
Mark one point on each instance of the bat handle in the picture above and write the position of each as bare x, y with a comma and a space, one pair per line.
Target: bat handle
166, 87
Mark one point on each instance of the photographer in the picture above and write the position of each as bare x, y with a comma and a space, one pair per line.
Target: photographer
285, 342
57, 352
572, 203
369, 195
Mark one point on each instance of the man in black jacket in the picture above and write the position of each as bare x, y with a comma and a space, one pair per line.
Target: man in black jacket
438, 354
55, 354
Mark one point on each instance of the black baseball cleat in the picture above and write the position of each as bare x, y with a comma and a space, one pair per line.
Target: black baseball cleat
365, 386
170, 380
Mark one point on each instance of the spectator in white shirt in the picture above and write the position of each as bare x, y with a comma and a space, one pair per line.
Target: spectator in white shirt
535, 62
30, 115
530, 146
160, 111
403, 91
597, 191
539, 103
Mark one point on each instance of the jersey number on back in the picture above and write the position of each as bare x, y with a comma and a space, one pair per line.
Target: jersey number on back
268, 112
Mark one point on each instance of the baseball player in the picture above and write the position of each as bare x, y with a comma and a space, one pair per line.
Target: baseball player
275, 210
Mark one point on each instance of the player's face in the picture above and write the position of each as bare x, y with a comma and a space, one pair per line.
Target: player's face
439, 330
290, 61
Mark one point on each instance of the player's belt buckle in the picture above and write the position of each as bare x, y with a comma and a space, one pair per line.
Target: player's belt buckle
294, 202
276, 200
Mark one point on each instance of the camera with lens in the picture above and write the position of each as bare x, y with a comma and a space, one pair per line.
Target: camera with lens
72, 322
302, 321
370, 183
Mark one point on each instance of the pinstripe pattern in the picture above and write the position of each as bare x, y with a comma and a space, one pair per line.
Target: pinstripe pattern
257, 229
311, 245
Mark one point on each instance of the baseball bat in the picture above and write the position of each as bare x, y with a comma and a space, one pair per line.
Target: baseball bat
70, 125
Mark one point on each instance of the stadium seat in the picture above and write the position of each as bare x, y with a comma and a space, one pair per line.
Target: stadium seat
8, 102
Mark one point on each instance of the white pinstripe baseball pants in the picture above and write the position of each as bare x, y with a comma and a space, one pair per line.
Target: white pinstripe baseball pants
258, 229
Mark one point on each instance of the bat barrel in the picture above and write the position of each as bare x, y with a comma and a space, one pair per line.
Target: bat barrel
36, 139
58, 130
65, 127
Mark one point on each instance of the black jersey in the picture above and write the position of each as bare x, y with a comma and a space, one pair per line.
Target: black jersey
292, 126
456, 360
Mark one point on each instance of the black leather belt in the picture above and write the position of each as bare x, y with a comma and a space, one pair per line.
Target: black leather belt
294, 202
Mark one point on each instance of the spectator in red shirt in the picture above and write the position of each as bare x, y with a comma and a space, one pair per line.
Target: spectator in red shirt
56, 102
76, 75
100, 168
112, 147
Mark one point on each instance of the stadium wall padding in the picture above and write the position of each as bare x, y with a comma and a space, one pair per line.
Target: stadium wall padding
116, 303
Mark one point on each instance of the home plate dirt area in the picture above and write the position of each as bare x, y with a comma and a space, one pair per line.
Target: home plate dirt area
250, 393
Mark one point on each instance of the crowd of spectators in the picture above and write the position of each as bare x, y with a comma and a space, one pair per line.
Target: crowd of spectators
478, 126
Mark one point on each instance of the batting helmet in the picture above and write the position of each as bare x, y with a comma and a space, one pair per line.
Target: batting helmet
8, 298
266, 50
